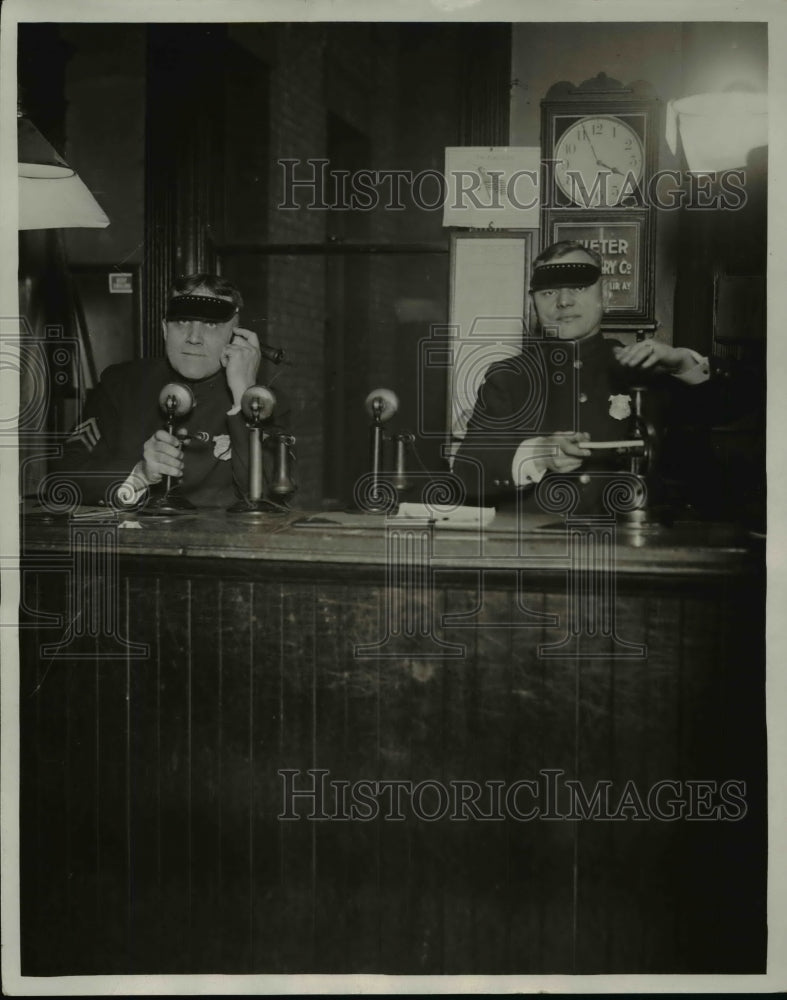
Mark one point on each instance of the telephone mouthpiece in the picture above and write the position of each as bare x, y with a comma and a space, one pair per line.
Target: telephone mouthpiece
257, 402
382, 404
176, 399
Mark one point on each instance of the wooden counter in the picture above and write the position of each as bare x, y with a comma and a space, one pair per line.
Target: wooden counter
170, 671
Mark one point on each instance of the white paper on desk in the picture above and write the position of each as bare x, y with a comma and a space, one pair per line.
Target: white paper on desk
497, 186
448, 516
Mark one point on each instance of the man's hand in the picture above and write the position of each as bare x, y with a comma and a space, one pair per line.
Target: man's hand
162, 456
241, 359
568, 453
655, 355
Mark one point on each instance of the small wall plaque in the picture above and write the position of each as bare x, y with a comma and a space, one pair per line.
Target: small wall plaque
121, 283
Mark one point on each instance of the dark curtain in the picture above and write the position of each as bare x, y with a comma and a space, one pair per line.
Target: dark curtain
485, 66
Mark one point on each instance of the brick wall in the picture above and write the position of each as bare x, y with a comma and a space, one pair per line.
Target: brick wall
394, 87
350, 73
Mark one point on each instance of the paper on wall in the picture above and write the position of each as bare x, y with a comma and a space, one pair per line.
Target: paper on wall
492, 186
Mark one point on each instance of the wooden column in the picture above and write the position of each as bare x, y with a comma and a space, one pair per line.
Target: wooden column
185, 79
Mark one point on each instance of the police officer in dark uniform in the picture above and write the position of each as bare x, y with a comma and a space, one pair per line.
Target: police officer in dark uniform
536, 413
120, 448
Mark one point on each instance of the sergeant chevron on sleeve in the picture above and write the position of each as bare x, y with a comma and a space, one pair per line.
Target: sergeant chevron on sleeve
119, 449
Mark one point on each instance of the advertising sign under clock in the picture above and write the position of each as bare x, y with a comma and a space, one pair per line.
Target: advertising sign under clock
598, 144
619, 246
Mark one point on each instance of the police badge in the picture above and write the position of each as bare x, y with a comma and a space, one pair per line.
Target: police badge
221, 447
620, 407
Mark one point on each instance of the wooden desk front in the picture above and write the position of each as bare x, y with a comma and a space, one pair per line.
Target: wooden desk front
151, 788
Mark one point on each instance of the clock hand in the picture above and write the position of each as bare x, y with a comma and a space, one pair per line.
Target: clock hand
592, 150
613, 170
599, 163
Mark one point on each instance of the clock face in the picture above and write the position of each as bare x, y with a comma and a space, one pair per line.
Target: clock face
599, 161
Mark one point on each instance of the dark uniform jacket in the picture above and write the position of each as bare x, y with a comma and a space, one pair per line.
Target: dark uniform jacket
122, 412
554, 385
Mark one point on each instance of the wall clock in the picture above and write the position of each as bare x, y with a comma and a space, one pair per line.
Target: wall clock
603, 152
599, 154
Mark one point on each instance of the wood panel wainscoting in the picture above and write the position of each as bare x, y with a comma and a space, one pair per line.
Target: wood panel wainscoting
170, 674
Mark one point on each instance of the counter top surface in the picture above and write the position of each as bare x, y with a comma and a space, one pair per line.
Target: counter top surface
536, 541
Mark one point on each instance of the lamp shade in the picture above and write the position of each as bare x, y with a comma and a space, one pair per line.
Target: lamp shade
37, 157
51, 194
719, 130
58, 203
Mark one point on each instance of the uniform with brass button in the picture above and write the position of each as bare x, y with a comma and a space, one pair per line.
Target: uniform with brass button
564, 405
120, 454
566, 387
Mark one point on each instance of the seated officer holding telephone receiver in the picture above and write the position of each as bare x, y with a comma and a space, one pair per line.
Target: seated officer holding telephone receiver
120, 447
551, 409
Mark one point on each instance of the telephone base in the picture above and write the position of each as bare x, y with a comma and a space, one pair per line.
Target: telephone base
256, 507
167, 505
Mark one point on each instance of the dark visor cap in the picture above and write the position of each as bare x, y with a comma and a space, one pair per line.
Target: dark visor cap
204, 307
564, 275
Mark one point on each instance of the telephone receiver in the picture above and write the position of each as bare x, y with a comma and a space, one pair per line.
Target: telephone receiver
276, 355
193, 440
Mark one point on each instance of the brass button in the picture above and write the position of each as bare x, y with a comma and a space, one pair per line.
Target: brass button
577, 364
583, 398
495, 482
584, 479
